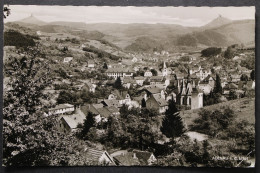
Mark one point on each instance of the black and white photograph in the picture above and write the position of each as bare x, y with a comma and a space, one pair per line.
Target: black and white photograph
157, 86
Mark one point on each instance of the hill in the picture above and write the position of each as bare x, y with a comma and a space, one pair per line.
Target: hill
32, 20
244, 109
220, 21
220, 32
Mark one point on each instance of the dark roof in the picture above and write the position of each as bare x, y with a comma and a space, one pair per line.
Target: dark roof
160, 101
104, 112
143, 156
153, 90
127, 159
110, 103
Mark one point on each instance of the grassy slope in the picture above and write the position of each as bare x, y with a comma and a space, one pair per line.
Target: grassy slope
244, 109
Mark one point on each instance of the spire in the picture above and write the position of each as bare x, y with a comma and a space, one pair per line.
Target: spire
164, 65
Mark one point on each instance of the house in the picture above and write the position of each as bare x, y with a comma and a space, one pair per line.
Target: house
100, 111
122, 96
67, 59
134, 59
139, 80
61, 109
90, 87
145, 157
158, 103
128, 82
119, 72
152, 91
91, 63
126, 159
99, 157
133, 158
157, 80
202, 73
148, 73
69, 123
111, 103
207, 84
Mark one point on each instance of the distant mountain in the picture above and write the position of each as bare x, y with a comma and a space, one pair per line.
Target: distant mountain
236, 32
220, 21
219, 32
32, 20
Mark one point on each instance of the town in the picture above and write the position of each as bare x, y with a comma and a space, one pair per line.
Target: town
118, 107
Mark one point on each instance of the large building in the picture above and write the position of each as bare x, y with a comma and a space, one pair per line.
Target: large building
119, 72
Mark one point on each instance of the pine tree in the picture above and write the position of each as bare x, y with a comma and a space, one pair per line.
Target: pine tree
88, 123
217, 88
105, 66
252, 75
118, 83
172, 125
143, 103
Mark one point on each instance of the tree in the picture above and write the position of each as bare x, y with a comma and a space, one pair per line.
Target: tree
244, 77
252, 75
143, 103
154, 72
229, 53
89, 122
118, 83
210, 52
217, 88
105, 66
172, 125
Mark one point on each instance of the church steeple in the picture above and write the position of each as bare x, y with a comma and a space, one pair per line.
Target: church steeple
165, 71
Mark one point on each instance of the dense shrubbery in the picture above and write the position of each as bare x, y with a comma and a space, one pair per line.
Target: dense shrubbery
100, 53
211, 51
15, 38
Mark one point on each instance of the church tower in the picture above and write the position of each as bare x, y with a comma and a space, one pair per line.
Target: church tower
165, 71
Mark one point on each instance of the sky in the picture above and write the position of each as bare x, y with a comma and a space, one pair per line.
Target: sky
186, 16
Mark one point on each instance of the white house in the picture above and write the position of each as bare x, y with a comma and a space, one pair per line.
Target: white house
67, 59
148, 74
91, 64
61, 109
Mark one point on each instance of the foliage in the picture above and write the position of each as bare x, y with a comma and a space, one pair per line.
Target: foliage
29, 138
143, 103
213, 122
172, 125
105, 66
15, 38
230, 52
248, 62
101, 53
118, 83
89, 122
154, 72
210, 52
244, 77
217, 88
252, 75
